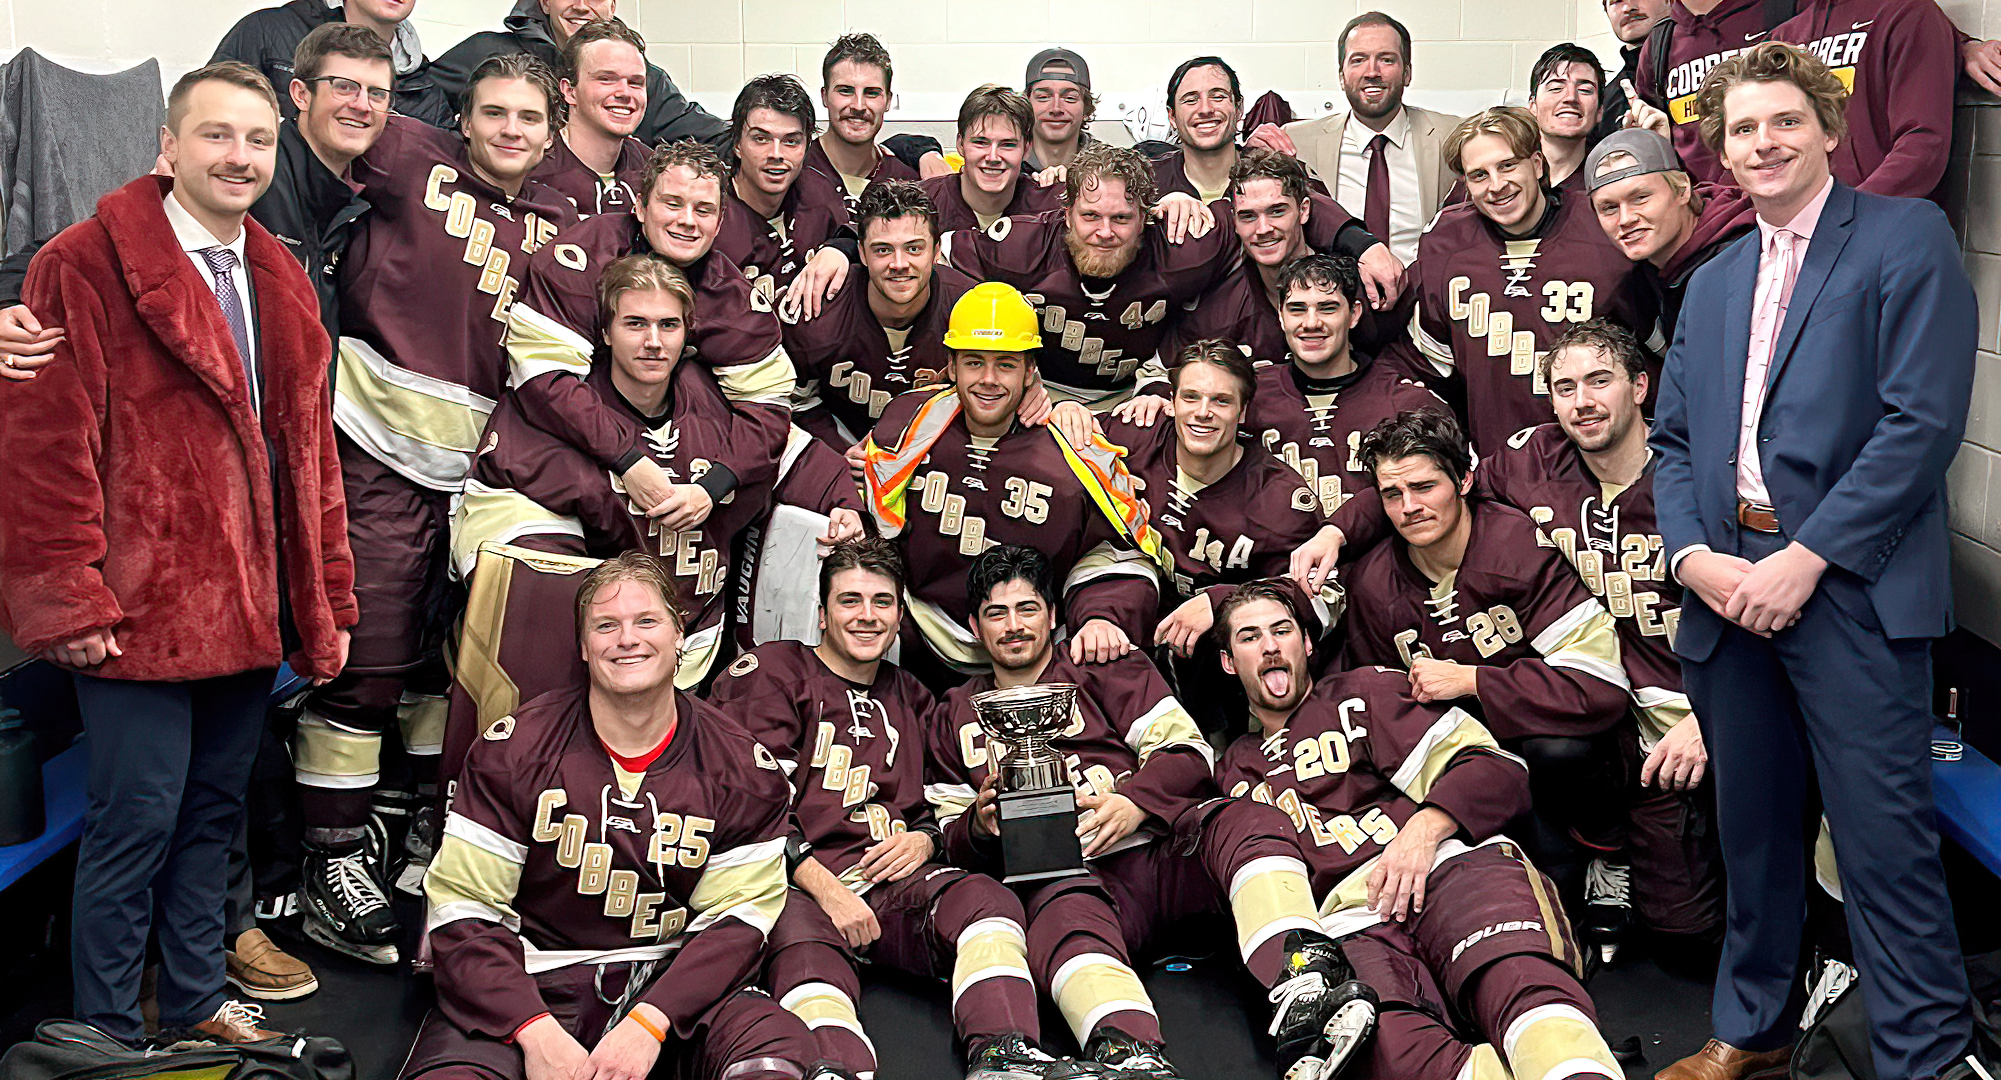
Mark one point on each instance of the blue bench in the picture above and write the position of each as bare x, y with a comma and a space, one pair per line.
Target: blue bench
62, 793
63, 784
1967, 793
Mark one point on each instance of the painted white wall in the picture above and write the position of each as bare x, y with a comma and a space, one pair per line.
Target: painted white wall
1467, 53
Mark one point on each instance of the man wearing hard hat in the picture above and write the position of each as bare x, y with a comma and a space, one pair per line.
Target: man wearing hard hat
950, 472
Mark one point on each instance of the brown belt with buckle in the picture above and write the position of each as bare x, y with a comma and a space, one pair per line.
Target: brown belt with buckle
1757, 516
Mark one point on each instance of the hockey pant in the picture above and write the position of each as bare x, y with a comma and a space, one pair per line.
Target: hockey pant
745, 1037
1482, 983
941, 922
1225, 856
395, 672
1590, 788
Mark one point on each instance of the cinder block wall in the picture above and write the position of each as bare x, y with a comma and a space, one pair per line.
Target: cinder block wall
1974, 202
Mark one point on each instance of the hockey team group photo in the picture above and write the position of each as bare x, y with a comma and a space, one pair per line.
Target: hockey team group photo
821, 540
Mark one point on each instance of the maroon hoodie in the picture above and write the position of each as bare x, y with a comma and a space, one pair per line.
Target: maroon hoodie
1698, 43
1906, 51
1900, 59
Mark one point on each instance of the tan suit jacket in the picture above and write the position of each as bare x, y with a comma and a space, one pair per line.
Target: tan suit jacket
1319, 145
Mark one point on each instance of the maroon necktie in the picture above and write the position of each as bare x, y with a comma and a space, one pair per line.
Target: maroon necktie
1376, 207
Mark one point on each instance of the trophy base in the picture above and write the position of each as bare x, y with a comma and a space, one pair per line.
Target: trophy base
1038, 834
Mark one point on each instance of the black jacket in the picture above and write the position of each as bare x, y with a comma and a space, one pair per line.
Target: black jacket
265, 39
308, 208
1612, 96
669, 114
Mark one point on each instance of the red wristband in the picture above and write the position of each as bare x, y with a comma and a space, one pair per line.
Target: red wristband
524, 1027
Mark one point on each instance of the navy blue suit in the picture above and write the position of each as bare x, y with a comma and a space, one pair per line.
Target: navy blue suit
1865, 404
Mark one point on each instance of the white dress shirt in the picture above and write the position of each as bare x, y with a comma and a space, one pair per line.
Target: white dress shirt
194, 236
1407, 220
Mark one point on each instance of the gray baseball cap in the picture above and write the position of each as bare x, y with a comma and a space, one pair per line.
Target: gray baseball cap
1651, 154
1079, 73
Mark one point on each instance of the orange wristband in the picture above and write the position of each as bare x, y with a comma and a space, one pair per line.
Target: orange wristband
659, 1036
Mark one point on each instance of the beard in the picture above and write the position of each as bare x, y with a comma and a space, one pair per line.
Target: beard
1391, 100
1097, 263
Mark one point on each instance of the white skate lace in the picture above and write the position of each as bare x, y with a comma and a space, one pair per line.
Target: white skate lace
1291, 990
350, 879
1608, 885
239, 1014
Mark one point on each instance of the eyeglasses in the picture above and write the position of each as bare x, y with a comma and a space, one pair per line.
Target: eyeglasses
348, 90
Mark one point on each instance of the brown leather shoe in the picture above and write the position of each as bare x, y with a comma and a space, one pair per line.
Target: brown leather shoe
1719, 1060
260, 969
235, 1023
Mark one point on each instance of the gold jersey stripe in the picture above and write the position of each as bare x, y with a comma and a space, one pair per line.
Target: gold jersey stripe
747, 883
766, 381
1268, 897
422, 427
1585, 639
820, 1005
493, 692
422, 720
1091, 986
989, 949
490, 515
1553, 1041
1659, 710
1451, 733
1168, 725
538, 345
1484, 1063
467, 881
327, 756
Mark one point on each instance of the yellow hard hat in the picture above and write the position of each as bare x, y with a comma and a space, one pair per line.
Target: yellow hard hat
993, 316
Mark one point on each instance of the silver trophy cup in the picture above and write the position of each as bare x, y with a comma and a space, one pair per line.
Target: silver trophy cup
1038, 806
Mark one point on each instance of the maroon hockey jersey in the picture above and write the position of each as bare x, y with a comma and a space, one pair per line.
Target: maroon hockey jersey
554, 855
556, 330
1317, 428
1900, 60
887, 167
416, 381
1610, 535
588, 191
850, 365
1170, 173
1488, 306
772, 251
1096, 333
954, 213
532, 487
1128, 734
1239, 310
1242, 527
1356, 760
854, 753
1548, 651
970, 494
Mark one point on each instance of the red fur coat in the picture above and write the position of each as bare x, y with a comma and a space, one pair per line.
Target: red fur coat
138, 493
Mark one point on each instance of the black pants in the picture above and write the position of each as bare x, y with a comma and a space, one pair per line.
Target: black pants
169, 766
1831, 698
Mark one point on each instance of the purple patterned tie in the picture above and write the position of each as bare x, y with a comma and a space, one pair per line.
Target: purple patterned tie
222, 262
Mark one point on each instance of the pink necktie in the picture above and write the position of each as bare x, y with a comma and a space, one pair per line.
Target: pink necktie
1776, 276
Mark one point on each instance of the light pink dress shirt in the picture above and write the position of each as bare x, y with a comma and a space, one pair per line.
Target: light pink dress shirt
1784, 252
